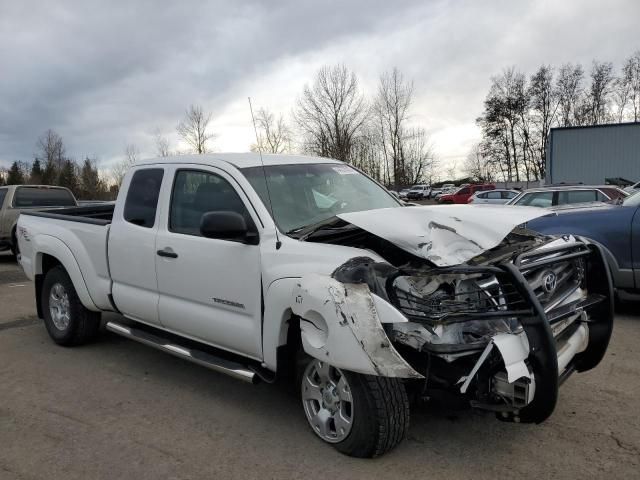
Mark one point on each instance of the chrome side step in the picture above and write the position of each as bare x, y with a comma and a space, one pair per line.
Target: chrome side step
205, 359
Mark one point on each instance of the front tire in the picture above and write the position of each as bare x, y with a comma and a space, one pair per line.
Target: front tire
68, 322
360, 415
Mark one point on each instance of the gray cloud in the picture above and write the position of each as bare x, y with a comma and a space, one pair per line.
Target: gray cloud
104, 74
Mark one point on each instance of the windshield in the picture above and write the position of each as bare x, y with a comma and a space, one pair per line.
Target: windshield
305, 194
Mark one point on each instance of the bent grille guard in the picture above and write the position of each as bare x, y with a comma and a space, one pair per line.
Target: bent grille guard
543, 355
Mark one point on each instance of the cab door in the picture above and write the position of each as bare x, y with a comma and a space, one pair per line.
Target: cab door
131, 245
209, 288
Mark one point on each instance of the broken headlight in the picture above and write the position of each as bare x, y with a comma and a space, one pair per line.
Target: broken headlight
436, 298
456, 309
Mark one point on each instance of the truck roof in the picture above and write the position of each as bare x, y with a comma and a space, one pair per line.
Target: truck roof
239, 160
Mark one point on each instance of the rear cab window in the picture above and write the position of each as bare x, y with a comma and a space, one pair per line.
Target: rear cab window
142, 197
32, 197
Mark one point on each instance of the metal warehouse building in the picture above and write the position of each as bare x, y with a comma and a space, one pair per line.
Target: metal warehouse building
593, 153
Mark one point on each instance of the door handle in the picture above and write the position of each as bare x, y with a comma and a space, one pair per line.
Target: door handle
167, 252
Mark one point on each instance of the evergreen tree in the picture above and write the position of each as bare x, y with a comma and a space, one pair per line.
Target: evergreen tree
91, 187
15, 177
35, 177
67, 177
50, 174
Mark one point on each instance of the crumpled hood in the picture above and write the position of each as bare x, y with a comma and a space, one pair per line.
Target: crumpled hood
447, 234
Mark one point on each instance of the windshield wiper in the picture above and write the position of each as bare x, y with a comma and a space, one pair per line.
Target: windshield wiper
302, 232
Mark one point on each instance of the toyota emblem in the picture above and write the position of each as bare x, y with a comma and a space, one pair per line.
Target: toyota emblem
549, 282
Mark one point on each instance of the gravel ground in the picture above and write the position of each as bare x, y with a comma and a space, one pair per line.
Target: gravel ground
118, 409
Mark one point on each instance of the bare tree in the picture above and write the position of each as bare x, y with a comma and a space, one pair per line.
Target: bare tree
392, 109
569, 91
621, 96
420, 161
478, 166
274, 135
51, 148
599, 94
544, 106
193, 129
631, 78
331, 113
119, 169
161, 144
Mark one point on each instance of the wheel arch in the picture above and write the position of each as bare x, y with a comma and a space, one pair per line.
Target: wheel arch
52, 252
278, 338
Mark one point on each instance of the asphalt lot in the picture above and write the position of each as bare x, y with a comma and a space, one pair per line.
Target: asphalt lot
118, 409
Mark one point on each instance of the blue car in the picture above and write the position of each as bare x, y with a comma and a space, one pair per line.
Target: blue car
614, 227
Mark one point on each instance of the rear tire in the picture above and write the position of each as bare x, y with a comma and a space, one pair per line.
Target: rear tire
68, 322
378, 410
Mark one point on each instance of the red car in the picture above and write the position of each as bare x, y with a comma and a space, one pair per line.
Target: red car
463, 194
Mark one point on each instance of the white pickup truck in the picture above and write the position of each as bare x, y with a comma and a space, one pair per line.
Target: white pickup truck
304, 269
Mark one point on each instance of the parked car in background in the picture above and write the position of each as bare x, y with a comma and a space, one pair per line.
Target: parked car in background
633, 188
567, 195
435, 192
15, 199
462, 194
448, 186
499, 196
418, 192
615, 227
403, 193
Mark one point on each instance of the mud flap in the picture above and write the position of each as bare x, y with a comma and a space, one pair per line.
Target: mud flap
340, 324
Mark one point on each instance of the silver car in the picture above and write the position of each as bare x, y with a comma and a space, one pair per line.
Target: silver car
553, 196
496, 197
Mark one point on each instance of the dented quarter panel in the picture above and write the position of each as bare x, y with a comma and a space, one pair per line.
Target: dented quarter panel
340, 325
446, 235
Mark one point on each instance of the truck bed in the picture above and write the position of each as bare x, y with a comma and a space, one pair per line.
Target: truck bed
78, 238
92, 214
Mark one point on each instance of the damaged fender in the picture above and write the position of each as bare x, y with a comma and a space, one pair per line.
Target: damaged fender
340, 324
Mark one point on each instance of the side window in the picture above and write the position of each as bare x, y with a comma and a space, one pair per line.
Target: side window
493, 195
3, 193
196, 193
600, 197
464, 191
142, 197
537, 199
576, 196
509, 195
481, 195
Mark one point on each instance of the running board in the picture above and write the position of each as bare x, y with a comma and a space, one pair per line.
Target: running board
205, 359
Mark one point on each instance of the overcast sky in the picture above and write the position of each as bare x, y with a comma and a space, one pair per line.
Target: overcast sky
107, 74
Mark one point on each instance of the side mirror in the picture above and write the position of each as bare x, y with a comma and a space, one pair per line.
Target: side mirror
227, 225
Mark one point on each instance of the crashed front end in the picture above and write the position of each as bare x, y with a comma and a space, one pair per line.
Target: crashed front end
501, 332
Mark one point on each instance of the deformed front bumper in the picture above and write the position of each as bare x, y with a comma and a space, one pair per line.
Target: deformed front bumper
578, 347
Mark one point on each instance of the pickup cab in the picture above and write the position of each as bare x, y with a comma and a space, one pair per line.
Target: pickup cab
305, 271
15, 199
